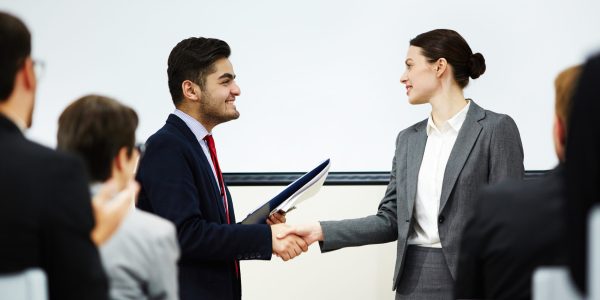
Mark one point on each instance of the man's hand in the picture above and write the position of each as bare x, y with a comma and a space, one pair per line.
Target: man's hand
287, 247
110, 208
310, 232
276, 218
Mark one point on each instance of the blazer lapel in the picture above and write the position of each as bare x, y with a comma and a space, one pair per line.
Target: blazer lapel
465, 140
416, 149
204, 165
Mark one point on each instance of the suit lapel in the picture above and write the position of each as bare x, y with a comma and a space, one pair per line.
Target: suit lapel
204, 165
416, 149
465, 141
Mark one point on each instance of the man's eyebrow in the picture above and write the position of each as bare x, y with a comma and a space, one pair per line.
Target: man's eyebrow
227, 75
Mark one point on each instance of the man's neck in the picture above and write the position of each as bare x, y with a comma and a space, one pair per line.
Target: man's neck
13, 116
196, 115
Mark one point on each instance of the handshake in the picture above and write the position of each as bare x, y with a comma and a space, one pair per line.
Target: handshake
290, 241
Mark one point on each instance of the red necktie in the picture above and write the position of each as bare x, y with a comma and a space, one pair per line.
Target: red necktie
213, 156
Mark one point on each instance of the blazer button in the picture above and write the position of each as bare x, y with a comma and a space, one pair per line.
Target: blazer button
441, 219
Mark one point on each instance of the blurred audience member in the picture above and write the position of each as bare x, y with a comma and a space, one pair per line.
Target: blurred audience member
141, 257
519, 226
583, 167
45, 213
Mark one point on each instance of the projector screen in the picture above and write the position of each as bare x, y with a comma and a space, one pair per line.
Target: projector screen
319, 79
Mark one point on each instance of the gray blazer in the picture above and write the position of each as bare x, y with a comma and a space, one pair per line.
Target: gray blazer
487, 150
141, 258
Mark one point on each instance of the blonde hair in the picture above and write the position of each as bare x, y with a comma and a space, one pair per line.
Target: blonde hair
564, 85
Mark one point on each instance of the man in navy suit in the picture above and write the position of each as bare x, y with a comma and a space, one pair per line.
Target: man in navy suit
181, 179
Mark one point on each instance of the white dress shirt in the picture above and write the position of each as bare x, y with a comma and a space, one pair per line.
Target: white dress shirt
440, 142
200, 132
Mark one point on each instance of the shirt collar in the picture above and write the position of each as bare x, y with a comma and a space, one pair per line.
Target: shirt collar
195, 126
95, 188
454, 123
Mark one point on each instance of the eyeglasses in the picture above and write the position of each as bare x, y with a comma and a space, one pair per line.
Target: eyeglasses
39, 67
141, 148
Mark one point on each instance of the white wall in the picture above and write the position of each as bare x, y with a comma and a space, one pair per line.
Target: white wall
353, 273
319, 78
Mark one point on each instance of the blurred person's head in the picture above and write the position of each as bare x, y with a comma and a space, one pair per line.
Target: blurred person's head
437, 58
101, 131
564, 85
202, 80
17, 76
583, 167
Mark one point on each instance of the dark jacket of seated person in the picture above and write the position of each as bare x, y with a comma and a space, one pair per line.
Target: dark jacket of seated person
517, 227
46, 217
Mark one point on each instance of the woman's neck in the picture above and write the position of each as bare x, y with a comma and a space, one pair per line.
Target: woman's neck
446, 104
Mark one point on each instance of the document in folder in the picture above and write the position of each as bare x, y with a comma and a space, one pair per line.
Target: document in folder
301, 189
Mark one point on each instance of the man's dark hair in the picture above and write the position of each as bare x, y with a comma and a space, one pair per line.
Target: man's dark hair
193, 59
15, 47
96, 128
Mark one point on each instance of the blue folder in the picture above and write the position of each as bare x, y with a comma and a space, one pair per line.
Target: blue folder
260, 215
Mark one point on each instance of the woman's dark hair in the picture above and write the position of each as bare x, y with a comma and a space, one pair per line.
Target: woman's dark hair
193, 59
95, 128
448, 44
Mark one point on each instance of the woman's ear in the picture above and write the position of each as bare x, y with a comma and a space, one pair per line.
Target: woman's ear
440, 67
120, 160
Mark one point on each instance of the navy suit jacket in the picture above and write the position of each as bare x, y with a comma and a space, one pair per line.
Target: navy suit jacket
177, 183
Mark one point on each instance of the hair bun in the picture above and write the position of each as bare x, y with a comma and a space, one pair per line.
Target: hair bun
476, 65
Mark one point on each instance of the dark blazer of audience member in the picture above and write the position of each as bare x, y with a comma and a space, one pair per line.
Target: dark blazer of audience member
583, 168
439, 165
141, 257
178, 181
519, 225
45, 209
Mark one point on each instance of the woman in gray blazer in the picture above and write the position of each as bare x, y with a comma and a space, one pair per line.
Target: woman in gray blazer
439, 165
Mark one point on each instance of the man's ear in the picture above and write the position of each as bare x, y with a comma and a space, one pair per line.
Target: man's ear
29, 74
191, 90
440, 66
560, 137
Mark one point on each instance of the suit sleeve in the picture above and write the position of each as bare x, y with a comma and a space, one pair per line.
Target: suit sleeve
506, 159
169, 184
375, 229
70, 257
469, 281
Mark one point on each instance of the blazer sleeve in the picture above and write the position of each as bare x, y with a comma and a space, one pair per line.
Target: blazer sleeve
169, 184
70, 257
163, 280
506, 152
375, 229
